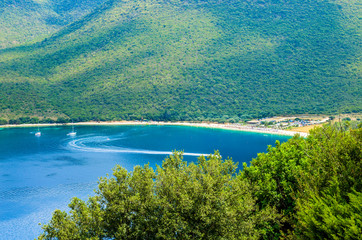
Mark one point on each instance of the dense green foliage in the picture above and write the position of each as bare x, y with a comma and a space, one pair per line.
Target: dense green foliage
177, 201
302, 189
190, 60
331, 204
274, 174
315, 183
24, 21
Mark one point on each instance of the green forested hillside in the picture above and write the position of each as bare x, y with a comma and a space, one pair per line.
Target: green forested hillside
184, 60
22, 21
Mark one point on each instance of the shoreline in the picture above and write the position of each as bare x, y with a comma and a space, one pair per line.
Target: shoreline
224, 126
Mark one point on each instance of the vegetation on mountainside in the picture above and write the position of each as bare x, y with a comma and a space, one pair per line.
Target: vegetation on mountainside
23, 21
305, 188
190, 60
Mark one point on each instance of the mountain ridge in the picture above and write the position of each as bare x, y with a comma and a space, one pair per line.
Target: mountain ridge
28, 21
188, 60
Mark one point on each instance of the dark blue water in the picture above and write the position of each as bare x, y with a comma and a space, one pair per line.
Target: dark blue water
41, 174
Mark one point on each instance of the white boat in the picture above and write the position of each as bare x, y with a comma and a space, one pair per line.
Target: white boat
38, 133
72, 133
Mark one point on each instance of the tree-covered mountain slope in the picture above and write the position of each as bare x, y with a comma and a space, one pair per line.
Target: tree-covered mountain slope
183, 60
23, 21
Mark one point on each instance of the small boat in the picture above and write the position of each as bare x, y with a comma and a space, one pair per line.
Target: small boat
38, 133
72, 133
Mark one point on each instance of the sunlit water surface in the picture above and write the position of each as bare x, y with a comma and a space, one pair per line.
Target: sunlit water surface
41, 174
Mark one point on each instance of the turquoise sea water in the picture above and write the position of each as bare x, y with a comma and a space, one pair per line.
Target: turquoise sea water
41, 174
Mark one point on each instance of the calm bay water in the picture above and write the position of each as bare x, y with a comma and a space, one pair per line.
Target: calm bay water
41, 174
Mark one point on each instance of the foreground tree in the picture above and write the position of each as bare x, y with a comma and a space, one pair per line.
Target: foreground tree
329, 203
207, 200
314, 183
274, 177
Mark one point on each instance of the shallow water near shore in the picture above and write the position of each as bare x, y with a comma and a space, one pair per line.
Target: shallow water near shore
41, 174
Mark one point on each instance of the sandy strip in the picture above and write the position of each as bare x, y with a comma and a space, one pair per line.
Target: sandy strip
237, 127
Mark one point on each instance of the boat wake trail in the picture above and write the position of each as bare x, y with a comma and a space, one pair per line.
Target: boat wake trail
100, 144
